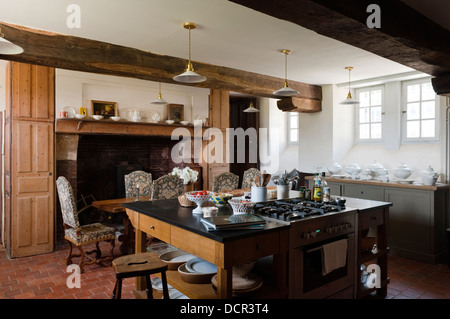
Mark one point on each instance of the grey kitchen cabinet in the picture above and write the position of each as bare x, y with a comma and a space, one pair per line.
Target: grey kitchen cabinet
363, 192
417, 223
418, 217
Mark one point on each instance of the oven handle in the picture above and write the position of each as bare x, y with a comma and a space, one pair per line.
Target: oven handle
320, 247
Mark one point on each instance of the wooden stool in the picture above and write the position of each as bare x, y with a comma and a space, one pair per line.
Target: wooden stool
143, 264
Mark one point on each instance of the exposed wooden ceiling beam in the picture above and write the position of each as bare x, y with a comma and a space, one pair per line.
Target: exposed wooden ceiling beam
74, 53
405, 36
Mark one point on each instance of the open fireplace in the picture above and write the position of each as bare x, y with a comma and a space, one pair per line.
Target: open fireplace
96, 165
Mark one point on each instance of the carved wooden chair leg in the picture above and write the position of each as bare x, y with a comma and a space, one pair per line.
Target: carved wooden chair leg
82, 255
69, 256
98, 252
113, 244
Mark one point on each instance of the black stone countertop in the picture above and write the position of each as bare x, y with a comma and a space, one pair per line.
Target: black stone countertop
171, 212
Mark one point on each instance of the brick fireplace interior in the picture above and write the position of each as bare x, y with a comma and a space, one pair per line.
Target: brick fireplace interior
96, 165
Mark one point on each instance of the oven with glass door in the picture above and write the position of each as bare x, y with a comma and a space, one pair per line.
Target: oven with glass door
307, 240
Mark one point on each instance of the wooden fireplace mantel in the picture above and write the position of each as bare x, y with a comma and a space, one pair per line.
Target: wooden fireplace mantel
122, 127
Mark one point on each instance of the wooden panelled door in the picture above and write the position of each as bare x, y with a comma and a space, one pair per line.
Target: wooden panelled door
29, 167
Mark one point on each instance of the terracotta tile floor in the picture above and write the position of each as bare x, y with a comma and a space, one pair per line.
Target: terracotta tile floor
44, 277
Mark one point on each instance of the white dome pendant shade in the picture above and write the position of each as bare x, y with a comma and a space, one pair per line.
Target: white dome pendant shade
159, 100
189, 76
285, 90
7, 47
349, 100
251, 109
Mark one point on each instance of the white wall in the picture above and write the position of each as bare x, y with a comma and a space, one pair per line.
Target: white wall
329, 136
282, 155
76, 89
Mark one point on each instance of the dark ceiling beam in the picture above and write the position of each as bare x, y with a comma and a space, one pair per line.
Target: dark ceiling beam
406, 36
74, 53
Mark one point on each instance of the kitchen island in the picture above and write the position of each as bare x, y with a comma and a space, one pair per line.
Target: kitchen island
177, 226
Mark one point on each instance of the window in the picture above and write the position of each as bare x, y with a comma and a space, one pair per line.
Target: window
420, 122
369, 111
293, 128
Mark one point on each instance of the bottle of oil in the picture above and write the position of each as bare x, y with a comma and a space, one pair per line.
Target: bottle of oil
317, 190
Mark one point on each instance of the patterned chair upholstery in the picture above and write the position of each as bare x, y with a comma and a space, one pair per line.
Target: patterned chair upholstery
79, 235
251, 175
225, 182
142, 178
167, 187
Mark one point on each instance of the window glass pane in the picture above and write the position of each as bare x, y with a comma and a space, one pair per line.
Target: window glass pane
428, 110
375, 114
428, 128
293, 136
413, 129
428, 92
375, 130
364, 115
413, 111
413, 93
364, 99
364, 131
294, 122
375, 97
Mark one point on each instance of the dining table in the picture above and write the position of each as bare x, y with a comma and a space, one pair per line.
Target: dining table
115, 206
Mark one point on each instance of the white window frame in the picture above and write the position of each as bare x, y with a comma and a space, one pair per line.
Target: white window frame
358, 140
418, 140
289, 128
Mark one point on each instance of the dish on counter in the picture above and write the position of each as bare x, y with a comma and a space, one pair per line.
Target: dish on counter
115, 118
97, 117
176, 258
194, 277
200, 266
70, 111
184, 122
340, 176
170, 121
80, 116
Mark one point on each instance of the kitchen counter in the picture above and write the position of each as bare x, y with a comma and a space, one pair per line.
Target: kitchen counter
415, 185
363, 205
177, 226
170, 211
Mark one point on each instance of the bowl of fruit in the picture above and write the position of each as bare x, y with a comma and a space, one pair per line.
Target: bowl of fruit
220, 199
241, 206
198, 197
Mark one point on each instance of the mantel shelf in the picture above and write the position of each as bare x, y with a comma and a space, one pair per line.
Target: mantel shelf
122, 127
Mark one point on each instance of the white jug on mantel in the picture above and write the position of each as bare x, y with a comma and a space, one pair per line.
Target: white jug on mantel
136, 116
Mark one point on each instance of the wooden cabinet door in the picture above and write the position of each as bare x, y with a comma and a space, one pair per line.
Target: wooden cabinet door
31, 161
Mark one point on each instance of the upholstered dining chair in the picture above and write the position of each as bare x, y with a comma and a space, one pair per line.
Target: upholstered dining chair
141, 178
225, 182
167, 187
80, 235
250, 175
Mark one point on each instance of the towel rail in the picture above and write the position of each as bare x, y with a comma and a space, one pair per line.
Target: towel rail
320, 247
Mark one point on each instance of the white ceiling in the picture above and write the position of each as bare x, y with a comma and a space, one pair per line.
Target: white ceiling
228, 35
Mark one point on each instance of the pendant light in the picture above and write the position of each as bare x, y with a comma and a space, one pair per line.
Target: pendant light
7, 47
286, 90
251, 108
349, 100
159, 100
189, 76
